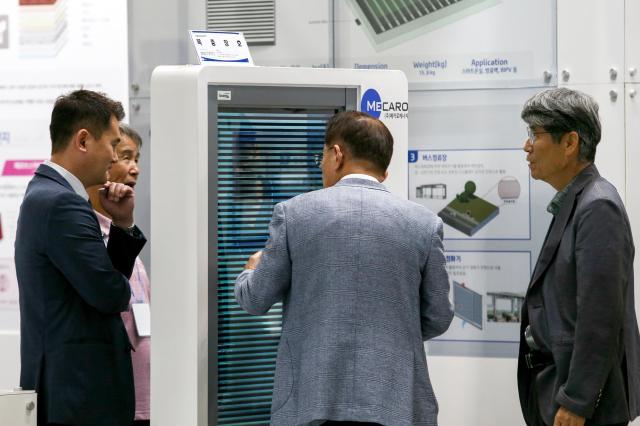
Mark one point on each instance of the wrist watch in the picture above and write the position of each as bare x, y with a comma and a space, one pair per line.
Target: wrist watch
129, 230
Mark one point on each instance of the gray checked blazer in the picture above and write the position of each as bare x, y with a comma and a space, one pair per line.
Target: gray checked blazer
362, 276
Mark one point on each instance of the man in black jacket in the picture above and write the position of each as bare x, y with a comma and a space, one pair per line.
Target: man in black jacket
579, 361
74, 348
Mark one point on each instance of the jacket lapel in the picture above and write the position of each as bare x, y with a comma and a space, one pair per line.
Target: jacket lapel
559, 223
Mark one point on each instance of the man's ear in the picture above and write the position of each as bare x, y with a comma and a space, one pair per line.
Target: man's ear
79, 140
572, 144
339, 156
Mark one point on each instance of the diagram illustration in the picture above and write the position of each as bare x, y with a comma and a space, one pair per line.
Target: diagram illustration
4, 31
509, 188
478, 193
504, 306
43, 27
467, 304
487, 293
467, 212
389, 23
432, 191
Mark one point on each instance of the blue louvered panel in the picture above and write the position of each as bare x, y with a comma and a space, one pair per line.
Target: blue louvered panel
263, 158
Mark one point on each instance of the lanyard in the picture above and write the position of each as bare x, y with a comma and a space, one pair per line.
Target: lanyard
134, 296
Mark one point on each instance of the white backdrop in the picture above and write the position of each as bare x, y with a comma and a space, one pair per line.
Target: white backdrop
45, 51
470, 390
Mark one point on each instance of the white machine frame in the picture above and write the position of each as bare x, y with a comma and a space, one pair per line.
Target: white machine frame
179, 213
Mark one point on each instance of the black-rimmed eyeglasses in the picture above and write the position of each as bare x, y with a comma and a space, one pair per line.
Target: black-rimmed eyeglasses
533, 135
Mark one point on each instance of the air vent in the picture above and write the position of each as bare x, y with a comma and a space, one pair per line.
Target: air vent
390, 22
255, 19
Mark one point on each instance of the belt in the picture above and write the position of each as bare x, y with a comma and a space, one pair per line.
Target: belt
537, 359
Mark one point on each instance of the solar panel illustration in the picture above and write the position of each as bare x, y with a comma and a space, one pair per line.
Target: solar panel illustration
264, 157
390, 22
467, 304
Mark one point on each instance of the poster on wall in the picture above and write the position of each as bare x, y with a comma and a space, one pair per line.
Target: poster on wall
467, 165
487, 289
14, 176
47, 48
460, 43
478, 193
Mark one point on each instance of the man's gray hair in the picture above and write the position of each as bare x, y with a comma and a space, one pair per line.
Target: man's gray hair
563, 110
135, 136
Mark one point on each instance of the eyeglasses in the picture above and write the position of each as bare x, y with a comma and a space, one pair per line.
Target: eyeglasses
533, 135
317, 158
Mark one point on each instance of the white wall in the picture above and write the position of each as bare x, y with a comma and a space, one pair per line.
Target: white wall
9, 359
476, 391
591, 42
631, 72
158, 35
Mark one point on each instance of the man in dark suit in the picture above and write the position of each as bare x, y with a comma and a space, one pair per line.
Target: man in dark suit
579, 361
74, 348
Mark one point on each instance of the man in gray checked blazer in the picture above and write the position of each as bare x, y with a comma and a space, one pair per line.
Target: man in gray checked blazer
362, 277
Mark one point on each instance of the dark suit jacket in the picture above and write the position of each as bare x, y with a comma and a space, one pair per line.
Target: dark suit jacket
580, 305
74, 349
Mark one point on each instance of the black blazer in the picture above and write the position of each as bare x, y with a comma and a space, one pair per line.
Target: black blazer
580, 304
74, 349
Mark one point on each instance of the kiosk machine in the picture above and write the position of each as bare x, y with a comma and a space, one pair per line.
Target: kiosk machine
227, 143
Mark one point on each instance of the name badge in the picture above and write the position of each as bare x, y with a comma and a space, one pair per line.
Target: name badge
142, 318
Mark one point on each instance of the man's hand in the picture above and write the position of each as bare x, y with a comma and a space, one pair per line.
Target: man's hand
254, 260
117, 201
565, 417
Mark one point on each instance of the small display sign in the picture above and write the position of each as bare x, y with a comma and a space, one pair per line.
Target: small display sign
221, 48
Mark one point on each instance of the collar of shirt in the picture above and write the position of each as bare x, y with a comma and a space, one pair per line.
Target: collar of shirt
556, 201
105, 224
75, 183
360, 176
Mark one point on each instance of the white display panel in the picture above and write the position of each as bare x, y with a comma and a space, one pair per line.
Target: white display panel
467, 43
500, 198
632, 151
591, 41
87, 48
461, 136
181, 350
47, 48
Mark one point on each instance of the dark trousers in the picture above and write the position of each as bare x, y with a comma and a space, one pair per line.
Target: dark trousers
338, 423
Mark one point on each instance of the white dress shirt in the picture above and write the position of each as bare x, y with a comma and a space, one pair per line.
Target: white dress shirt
75, 183
360, 176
